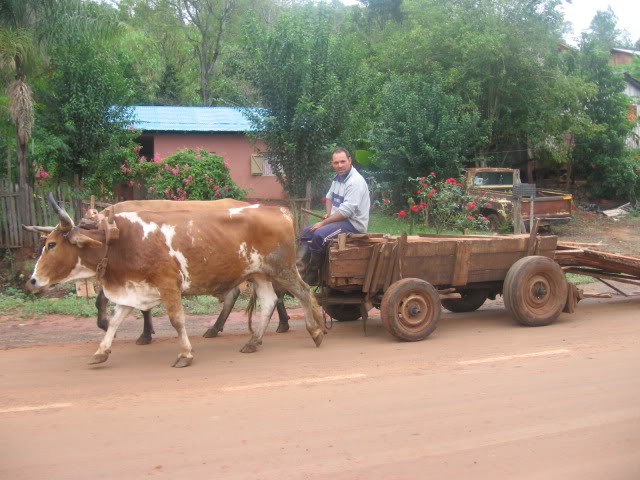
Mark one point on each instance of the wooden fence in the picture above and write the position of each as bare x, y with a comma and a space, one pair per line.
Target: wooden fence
37, 212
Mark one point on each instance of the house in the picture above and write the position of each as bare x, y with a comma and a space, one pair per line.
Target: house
632, 88
622, 56
219, 130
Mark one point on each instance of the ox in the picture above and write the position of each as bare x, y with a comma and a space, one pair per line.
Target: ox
229, 299
159, 257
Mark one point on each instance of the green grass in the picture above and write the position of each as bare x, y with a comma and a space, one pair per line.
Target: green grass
579, 279
16, 303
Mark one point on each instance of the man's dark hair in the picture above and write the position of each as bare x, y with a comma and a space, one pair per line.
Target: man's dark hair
341, 150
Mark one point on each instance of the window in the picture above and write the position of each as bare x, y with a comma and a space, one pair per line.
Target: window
260, 165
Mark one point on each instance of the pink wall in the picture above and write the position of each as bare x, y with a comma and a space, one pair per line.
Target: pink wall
236, 149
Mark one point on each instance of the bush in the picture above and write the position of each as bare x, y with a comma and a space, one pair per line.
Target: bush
185, 175
444, 204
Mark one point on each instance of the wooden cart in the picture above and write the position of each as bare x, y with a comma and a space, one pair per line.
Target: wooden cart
409, 278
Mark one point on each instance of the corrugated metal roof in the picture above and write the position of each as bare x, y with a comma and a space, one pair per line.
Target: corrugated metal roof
190, 119
625, 50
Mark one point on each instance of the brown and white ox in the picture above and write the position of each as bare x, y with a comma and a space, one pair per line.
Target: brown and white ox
161, 256
230, 298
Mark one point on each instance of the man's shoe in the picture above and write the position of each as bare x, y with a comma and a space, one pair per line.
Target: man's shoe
311, 273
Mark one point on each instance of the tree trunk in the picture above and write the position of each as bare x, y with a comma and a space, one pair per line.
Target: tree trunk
23, 197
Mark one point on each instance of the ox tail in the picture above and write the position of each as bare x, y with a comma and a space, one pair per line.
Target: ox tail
251, 306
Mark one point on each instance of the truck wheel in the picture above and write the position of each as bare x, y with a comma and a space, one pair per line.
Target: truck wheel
471, 301
410, 309
345, 312
535, 291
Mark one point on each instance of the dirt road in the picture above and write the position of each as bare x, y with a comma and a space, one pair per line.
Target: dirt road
481, 398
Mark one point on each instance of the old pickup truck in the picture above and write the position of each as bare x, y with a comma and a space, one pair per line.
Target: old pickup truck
495, 185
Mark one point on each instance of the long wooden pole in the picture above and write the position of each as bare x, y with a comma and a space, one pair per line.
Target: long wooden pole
309, 212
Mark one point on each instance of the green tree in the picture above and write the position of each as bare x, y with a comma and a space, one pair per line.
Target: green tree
89, 112
306, 73
600, 153
422, 128
205, 26
603, 31
27, 29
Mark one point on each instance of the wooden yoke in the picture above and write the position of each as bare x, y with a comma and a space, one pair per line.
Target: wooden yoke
111, 232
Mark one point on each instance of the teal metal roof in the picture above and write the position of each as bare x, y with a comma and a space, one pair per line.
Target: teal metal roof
190, 119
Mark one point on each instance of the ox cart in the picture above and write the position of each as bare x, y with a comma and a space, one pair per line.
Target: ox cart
410, 278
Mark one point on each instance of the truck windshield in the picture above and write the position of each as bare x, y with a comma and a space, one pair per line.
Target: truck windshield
493, 178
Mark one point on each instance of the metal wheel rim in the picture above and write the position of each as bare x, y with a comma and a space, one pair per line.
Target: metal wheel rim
539, 296
414, 311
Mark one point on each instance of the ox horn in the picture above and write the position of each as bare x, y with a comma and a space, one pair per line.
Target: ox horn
36, 229
65, 220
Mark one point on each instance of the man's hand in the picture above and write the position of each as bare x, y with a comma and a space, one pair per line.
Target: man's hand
316, 226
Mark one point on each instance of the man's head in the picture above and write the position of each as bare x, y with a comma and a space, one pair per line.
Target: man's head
341, 161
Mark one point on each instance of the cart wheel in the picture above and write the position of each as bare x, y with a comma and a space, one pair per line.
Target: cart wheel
410, 309
345, 312
535, 291
471, 301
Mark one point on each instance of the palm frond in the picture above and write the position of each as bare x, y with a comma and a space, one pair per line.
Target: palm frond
21, 108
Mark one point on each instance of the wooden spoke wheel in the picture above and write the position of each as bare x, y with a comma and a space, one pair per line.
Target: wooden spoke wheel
535, 291
411, 309
471, 301
344, 312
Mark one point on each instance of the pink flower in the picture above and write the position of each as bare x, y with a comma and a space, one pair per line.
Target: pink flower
415, 208
469, 217
432, 174
137, 148
142, 159
152, 189
216, 187
419, 192
422, 179
384, 200
402, 214
131, 183
157, 158
423, 204
471, 206
485, 219
41, 172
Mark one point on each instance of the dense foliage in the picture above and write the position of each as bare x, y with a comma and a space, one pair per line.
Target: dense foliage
413, 86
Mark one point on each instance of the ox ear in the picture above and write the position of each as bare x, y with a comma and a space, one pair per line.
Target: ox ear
84, 241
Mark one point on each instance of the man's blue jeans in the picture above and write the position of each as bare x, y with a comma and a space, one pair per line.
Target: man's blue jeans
317, 240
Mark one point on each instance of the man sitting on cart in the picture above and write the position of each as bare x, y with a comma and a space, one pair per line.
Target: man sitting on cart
347, 211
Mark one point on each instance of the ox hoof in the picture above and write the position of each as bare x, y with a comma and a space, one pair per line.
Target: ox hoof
211, 333
142, 340
183, 362
249, 348
318, 338
99, 358
282, 328
103, 325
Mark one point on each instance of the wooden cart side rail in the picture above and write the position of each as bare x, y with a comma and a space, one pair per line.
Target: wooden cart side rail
449, 261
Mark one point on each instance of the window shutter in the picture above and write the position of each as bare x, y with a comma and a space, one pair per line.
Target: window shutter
257, 165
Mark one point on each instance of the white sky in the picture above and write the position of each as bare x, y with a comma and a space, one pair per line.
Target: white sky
581, 12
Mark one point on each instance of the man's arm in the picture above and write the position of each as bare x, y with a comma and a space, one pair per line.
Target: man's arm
336, 217
328, 204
